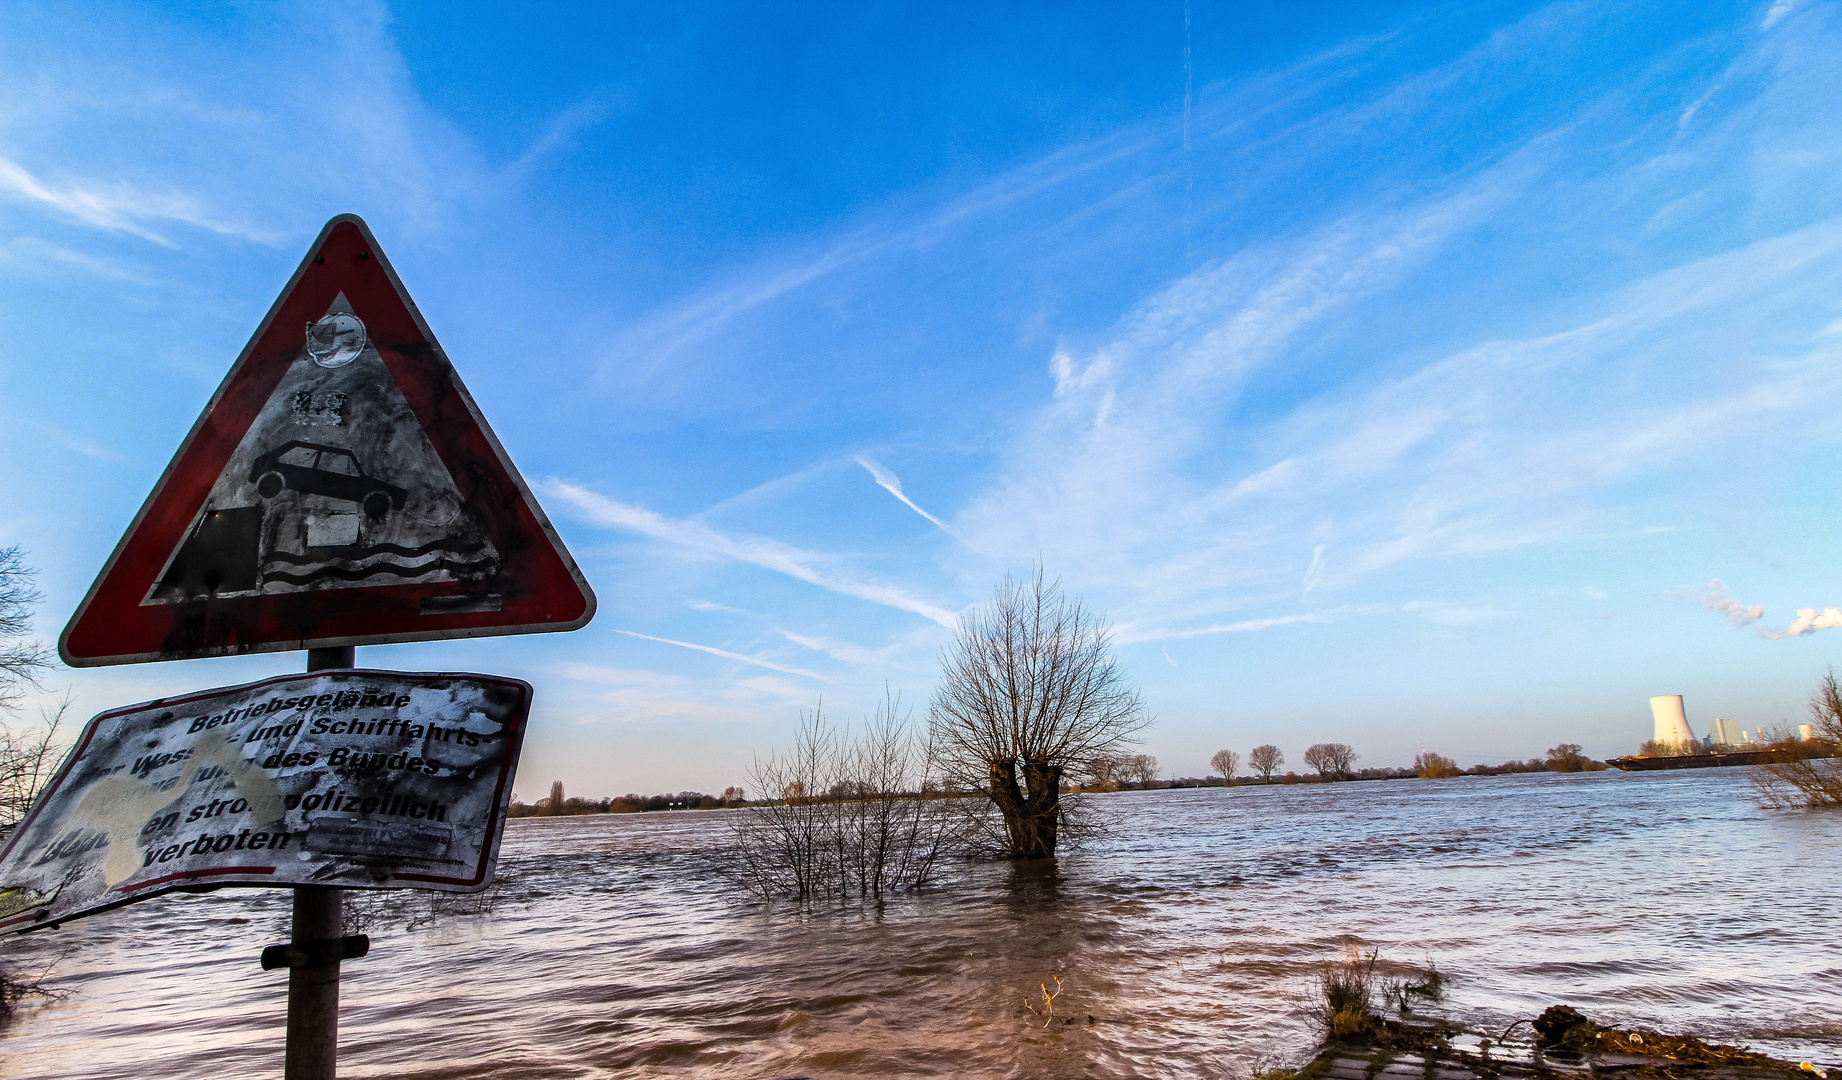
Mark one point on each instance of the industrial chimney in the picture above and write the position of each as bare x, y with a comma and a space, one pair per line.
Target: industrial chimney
1672, 722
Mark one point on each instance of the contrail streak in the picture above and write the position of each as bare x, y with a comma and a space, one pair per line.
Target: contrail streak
892, 483
767, 554
769, 664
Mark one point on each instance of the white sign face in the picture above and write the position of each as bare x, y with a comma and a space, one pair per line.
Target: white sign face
362, 779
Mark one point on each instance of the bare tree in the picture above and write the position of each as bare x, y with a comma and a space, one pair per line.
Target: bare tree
28, 755
1332, 760
1807, 772
556, 800
1104, 773
22, 660
1225, 762
1029, 690
27, 760
1266, 761
877, 828
1140, 769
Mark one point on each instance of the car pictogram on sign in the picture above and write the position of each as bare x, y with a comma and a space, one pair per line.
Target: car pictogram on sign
317, 469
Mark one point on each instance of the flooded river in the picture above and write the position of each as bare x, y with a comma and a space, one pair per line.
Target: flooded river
1187, 943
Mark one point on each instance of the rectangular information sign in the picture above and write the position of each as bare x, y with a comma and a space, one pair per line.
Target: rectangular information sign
354, 778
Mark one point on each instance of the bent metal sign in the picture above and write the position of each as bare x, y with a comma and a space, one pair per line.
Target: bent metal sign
366, 779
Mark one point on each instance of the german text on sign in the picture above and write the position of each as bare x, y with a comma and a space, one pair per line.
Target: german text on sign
369, 779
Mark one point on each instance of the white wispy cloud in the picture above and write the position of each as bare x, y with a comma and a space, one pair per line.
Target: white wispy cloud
892, 483
1315, 572
1778, 10
694, 536
631, 695
840, 650
563, 128
711, 605
1063, 186
117, 207
727, 655
152, 141
1140, 470
1808, 621
1446, 613
1716, 598
1128, 635
82, 446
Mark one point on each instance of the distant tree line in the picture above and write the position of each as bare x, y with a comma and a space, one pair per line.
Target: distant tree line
1336, 762
1330, 762
558, 806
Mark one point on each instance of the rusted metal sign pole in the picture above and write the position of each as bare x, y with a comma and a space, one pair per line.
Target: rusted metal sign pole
313, 989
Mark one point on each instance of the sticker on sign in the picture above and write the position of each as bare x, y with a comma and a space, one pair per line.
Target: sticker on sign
355, 778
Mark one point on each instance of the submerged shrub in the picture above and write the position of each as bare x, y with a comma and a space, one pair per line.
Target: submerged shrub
1431, 766
1349, 991
856, 816
1345, 993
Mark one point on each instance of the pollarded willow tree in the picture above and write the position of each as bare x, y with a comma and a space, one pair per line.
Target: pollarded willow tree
1030, 693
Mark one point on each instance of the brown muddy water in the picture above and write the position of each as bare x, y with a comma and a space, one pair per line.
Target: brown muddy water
1190, 939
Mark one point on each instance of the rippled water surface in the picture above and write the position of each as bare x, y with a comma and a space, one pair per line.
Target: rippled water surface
1187, 943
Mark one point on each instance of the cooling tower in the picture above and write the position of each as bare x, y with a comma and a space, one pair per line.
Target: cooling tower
1806, 732
1672, 722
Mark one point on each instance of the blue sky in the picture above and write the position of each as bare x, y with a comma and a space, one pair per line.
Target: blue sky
1411, 384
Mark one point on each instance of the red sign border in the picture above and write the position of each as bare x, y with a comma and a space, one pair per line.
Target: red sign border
489, 852
445, 627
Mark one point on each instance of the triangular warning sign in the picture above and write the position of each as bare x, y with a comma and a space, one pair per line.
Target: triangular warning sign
341, 488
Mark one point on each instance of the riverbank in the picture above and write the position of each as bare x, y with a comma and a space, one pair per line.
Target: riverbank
1560, 1044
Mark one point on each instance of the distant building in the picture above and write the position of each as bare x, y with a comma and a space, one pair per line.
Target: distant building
1672, 727
1726, 733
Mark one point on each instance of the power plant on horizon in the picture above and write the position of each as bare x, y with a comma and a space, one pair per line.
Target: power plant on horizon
1674, 745
1672, 728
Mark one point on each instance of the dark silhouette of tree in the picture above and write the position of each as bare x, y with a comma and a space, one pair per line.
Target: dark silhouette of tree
1029, 690
1807, 773
1332, 760
27, 757
22, 660
1140, 769
1225, 762
1266, 761
556, 797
